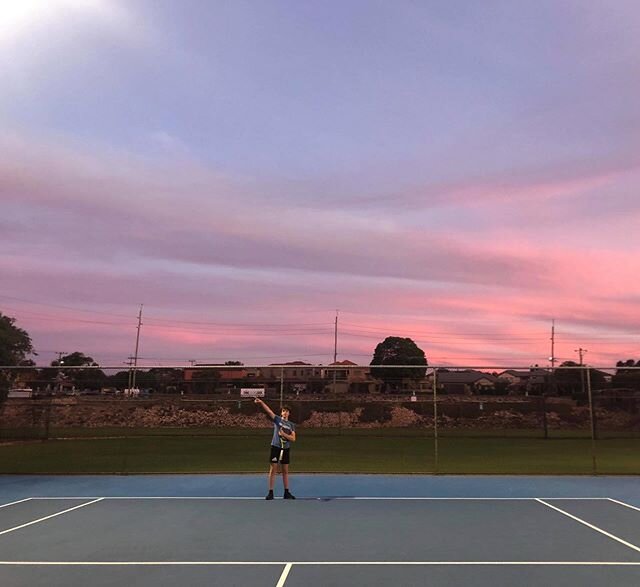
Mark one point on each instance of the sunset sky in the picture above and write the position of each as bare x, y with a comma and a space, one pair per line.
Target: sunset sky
460, 173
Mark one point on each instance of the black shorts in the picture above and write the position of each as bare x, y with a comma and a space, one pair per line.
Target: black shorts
274, 457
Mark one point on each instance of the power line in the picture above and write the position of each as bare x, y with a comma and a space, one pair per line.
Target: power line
292, 328
46, 304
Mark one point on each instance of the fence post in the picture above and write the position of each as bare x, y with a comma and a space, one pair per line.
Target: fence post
593, 422
544, 416
47, 417
435, 419
281, 387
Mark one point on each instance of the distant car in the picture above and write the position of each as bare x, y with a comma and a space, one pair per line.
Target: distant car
90, 392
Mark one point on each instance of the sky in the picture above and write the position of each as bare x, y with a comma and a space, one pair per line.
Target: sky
459, 173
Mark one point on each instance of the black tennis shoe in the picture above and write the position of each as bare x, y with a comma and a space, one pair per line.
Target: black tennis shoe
269, 495
288, 495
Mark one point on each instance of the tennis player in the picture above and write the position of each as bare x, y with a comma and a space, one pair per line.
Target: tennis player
284, 433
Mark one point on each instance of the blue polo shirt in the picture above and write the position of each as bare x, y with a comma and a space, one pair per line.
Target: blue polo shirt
286, 425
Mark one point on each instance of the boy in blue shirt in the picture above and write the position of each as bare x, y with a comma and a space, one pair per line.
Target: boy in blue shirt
284, 433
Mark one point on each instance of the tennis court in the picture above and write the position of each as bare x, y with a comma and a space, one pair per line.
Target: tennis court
409, 530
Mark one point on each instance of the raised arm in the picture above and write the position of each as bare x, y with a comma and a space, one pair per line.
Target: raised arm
265, 407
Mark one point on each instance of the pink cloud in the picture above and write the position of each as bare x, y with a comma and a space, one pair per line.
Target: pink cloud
99, 231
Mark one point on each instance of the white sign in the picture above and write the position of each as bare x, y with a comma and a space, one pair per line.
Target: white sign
22, 392
252, 392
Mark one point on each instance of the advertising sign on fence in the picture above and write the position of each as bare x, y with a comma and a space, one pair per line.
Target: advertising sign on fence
252, 392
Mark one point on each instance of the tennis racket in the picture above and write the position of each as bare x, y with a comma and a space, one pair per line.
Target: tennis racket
282, 441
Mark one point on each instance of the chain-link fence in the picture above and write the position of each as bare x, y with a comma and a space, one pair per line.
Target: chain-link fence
203, 418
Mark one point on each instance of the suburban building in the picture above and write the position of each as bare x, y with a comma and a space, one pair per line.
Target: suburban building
463, 382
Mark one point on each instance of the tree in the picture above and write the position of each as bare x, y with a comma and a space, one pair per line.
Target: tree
86, 378
629, 378
395, 350
573, 380
166, 379
569, 381
15, 343
15, 348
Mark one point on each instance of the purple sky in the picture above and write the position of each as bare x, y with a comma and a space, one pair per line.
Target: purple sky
457, 172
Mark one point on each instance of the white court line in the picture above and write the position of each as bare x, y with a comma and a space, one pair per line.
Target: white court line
48, 517
330, 498
627, 505
455, 498
620, 540
323, 563
285, 574
121, 497
6, 505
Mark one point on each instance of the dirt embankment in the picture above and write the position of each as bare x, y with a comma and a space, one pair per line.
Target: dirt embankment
174, 412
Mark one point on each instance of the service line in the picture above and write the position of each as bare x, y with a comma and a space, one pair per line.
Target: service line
609, 535
49, 517
627, 505
6, 505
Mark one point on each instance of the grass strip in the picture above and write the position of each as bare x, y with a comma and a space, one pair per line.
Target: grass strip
321, 452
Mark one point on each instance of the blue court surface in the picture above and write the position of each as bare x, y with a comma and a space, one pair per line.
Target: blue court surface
342, 530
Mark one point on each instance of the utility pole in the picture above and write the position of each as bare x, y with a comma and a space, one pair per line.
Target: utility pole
130, 363
135, 357
581, 353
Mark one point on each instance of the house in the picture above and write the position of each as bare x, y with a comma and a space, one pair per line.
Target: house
206, 377
517, 380
293, 370
223, 372
349, 377
464, 382
514, 377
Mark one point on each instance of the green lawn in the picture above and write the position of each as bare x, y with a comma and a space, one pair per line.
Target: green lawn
78, 432
357, 451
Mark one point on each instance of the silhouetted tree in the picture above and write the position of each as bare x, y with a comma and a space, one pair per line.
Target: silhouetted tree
395, 350
15, 348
